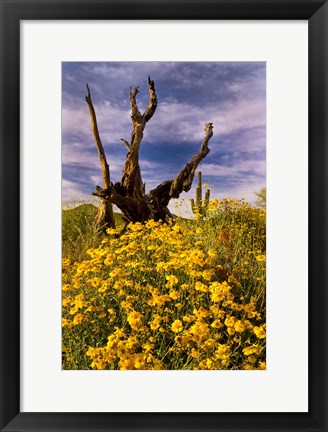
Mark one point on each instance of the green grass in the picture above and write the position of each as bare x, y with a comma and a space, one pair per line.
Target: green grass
78, 232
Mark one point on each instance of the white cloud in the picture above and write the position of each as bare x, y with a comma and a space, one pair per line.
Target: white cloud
172, 122
77, 153
113, 123
80, 155
179, 122
238, 116
72, 192
239, 170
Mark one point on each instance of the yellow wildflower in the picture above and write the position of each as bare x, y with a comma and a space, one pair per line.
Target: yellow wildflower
260, 332
135, 320
239, 326
260, 258
177, 326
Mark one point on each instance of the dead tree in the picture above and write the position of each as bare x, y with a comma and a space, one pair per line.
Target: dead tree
104, 217
129, 195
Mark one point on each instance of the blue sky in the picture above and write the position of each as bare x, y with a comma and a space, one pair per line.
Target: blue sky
231, 95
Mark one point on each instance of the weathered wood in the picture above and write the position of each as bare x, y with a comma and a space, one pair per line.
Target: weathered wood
131, 176
151, 108
105, 217
129, 195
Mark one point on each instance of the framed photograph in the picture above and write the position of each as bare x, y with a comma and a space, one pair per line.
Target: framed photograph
163, 215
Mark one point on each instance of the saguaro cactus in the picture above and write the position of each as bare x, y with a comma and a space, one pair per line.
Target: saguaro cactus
200, 208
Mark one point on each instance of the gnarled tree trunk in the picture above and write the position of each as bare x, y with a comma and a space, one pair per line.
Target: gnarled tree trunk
129, 195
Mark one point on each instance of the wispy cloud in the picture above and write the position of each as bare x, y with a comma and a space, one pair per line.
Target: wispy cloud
229, 94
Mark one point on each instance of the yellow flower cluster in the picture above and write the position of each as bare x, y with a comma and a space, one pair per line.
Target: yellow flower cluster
167, 296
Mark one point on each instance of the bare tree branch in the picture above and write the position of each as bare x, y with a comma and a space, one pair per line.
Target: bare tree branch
183, 180
105, 216
100, 148
127, 145
168, 189
136, 115
152, 104
131, 176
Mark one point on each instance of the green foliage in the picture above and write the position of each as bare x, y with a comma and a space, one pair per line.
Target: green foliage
77, 221
261, 198
237, 231
78, 232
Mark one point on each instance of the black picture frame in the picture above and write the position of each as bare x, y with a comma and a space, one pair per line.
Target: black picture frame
12, 12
